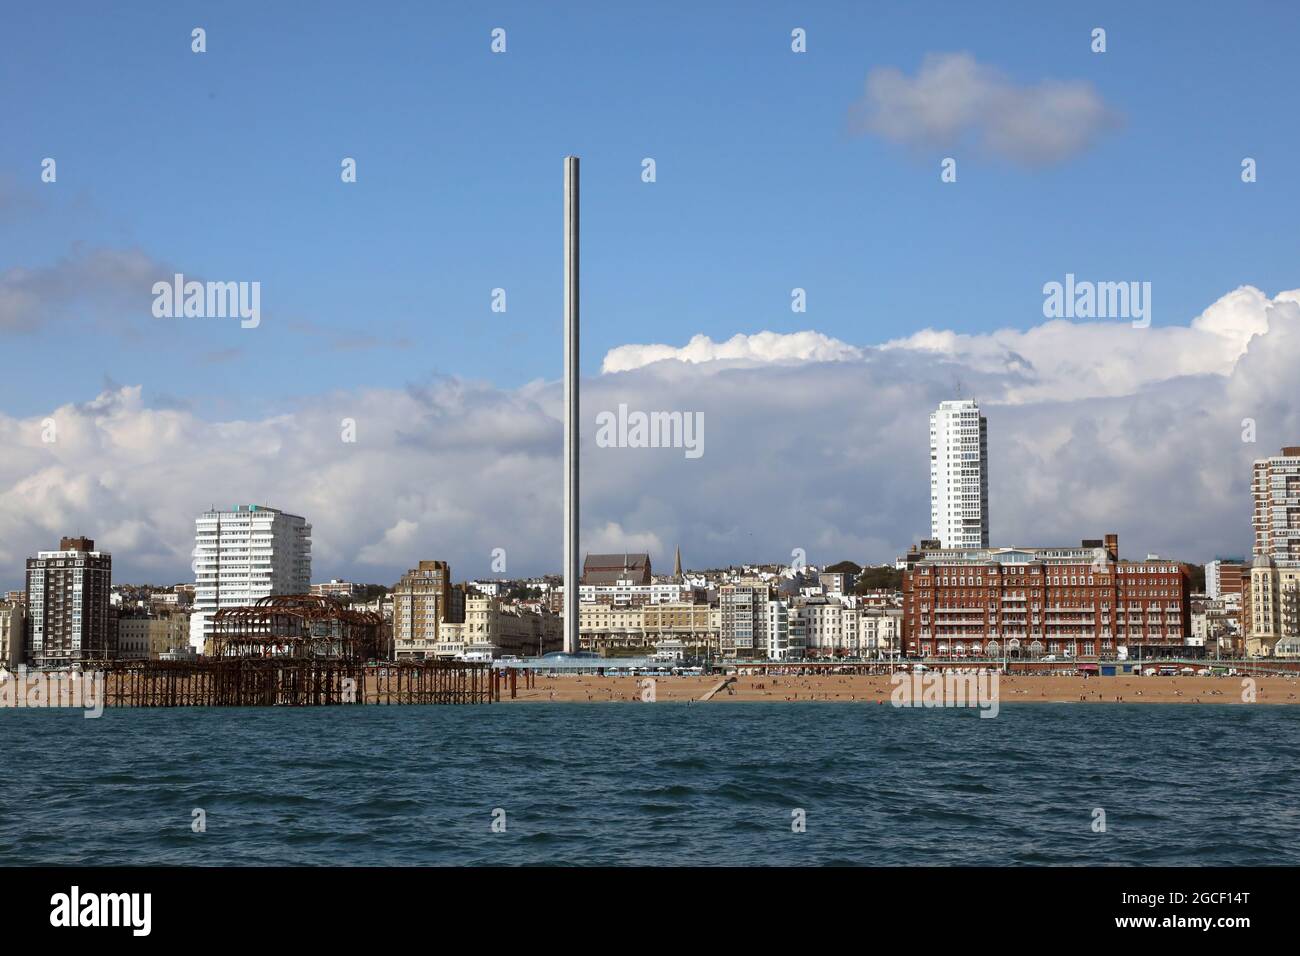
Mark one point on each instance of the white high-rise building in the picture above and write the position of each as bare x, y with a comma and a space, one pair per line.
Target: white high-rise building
1276, 489
242, 554
959, 475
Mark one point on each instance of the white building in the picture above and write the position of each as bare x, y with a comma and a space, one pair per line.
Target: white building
959, 475
823, 623
1275, 484
879, 630
778, 632
627, 593
242, 554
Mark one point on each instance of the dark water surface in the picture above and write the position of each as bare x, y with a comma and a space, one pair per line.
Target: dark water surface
653, 784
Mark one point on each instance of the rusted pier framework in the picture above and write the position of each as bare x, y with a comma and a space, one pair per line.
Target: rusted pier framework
300, 626
297, 650
287, 682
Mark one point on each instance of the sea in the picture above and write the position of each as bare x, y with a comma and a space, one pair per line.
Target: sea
718, 784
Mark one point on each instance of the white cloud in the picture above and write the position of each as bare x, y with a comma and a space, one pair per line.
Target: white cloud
759, 348
954, 100
400, 539
812, 443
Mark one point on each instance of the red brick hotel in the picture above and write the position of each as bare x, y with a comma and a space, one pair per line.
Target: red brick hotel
1030, 602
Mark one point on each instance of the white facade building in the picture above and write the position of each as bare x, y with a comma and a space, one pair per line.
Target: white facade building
778, 631
959, 475
1275, 485
242, 554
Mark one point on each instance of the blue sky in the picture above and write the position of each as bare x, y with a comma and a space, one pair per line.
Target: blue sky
226, 165
775, 170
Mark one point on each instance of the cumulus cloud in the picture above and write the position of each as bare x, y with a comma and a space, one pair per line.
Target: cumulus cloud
757, 349
953, 100
1093, 427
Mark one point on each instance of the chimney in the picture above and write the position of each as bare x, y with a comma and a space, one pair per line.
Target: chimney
1112, 546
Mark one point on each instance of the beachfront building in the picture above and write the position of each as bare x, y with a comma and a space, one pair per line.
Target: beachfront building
823, 620
13, 634
744, 619
847, 629
425, 601
490, 630
882, 631
1274, 603
243, 554
606, 627
151, 635
70, 620
959, 475
691, 627
1214, 626
1275, 486
779, 646
878, 630
1270, 616
1029, 602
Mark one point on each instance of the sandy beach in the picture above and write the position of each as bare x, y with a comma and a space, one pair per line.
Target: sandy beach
873, 689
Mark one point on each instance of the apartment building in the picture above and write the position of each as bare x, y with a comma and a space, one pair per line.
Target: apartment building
13, 634
959, 475
1025, 602
1274, 609
243, 554
424, 601
744, 619
1275, 486
69, 617
606, 627
823, 620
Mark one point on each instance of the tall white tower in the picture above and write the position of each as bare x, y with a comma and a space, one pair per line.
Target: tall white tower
959, 475
571, 431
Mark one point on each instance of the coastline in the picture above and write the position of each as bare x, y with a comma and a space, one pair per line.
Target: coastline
877, 688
